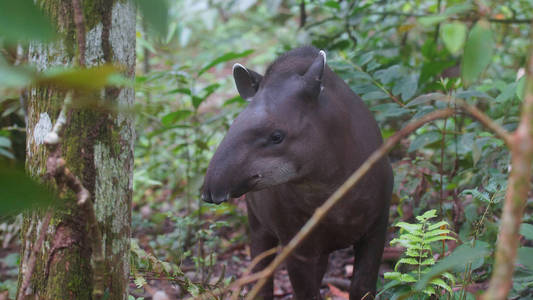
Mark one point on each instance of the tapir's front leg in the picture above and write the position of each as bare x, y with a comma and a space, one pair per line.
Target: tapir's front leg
306, 275
368, 253
261, 241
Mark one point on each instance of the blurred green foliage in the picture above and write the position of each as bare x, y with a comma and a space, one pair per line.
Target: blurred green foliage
395, 54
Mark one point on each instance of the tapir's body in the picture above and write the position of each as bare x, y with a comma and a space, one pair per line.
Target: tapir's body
303, 133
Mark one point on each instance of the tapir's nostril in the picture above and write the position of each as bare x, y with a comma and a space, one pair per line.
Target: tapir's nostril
206, 196
217, 199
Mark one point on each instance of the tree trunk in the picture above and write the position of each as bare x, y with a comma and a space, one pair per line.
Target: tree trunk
97, 145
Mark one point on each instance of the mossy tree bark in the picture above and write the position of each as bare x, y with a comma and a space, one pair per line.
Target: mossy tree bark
97, 145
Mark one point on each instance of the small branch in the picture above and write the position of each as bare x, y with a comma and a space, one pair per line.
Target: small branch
33, 256
56, 168
317, 23
252, 264
321, 211
511, 21
53, 137
521, 145
80, 29
420, 15
476, 114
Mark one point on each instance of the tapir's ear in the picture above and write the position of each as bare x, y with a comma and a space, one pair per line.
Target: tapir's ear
247, 81
313, 75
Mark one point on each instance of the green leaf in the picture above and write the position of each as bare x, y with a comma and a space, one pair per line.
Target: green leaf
439, 238
406, 87
5, 142
409, 227
441, 283
527, 231
226, 57
478, 51
482, 196
457, 9
520, 87
155, 12
376, 95
406, 260
431, 20
437, 225
184, 91
460, 257
4, 152
429, 261
237, 99
14, 76
436, 232
22, 20
174, 117
332, 4
453, 35
424, 139
449, 276
452, 10
139, 281
525, 255
429, 290
507, 93
389, 74
20, 192
427, 215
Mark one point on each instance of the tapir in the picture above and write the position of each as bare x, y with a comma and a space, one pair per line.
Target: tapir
301, 135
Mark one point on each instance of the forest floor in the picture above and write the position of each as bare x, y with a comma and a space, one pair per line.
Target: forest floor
233, 261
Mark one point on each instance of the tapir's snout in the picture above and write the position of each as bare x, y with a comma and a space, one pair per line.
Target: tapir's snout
216, 198
213, 194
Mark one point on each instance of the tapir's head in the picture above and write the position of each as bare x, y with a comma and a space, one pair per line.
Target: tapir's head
273, 140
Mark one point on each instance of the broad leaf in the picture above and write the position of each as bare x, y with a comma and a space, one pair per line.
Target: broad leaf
20, 192
80, 79
22, 20
453, 35
176, 116
423, 140
460, 257
478, 51
527, 231
226, 57
524, 257
155, 12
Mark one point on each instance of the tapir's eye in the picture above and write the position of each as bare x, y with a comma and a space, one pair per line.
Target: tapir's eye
277, 136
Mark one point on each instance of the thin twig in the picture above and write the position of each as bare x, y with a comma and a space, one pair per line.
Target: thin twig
321, 211
303, 14
33, 256
53, 137
420, 15
476, 114
252, 264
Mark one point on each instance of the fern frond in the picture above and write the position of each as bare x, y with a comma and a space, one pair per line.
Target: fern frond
441, 283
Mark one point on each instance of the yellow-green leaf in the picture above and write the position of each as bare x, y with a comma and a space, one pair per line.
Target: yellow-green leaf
79, 79
453, 35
